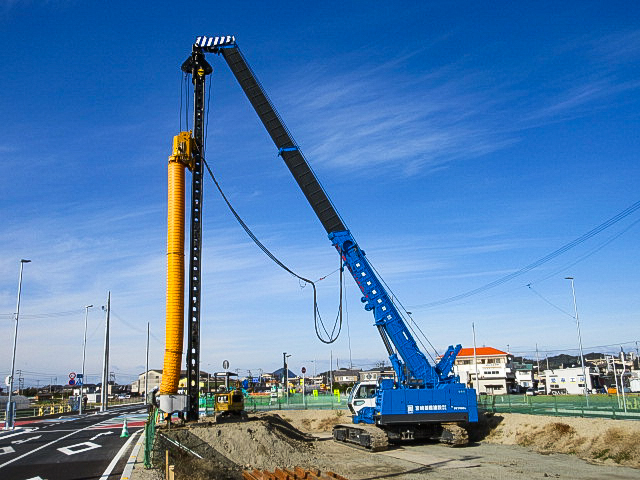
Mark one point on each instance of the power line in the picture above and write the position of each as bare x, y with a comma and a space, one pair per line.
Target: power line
591, 233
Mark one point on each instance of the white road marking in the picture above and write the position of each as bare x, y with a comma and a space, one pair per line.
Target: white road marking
26, 439
112, 465
36, 478
71, 450
5, 450
42, 446
103, 433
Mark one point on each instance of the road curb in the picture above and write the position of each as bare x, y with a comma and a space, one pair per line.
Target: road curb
133, 458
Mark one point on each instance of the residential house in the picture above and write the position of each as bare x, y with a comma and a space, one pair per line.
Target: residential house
524, 376
154, 379
493, 368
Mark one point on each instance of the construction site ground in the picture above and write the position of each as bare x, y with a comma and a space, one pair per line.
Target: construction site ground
503, 446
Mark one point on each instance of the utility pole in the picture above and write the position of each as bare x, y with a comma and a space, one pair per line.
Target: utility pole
476, 384
10, 414
104, 397
624, 368
331, 370
84, 352
586, 380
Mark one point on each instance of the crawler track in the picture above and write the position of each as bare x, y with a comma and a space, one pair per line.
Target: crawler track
364, 436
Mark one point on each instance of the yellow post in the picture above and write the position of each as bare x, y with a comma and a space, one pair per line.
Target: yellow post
180, 158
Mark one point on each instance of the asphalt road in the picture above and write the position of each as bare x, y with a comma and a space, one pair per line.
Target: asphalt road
71, 448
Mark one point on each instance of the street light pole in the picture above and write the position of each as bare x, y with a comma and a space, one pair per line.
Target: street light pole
584, 375
146, 371
9, 417
84, 354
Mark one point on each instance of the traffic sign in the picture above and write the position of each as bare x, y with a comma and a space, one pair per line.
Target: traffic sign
7, 381
304, 370
79, 375
72, 381
72, 375
225, 364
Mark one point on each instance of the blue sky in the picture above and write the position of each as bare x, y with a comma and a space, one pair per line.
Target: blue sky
460, 143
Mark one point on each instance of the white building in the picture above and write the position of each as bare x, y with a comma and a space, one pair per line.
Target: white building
495, 370
154, 379
569, 380
375, 374
524, 376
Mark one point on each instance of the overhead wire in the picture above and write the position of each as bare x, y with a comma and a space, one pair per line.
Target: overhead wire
541, 261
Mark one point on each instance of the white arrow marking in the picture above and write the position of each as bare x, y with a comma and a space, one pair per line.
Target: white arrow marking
103, 433
4, 450
71, 450
36, 478
26, 439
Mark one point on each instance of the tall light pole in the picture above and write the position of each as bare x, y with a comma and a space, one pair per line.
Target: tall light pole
84, 354
584, 374
285, 374
9, 417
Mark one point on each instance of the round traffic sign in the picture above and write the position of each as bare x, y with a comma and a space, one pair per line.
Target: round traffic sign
225, 364
72, 382
304, 370
72, 375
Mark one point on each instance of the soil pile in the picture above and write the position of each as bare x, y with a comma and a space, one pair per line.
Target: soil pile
262, 441
595, 440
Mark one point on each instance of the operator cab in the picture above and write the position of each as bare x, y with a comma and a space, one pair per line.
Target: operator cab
363, 395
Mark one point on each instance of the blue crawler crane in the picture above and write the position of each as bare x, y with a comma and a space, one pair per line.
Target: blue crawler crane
423, 401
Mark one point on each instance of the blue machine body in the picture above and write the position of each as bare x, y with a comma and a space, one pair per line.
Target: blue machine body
423, 393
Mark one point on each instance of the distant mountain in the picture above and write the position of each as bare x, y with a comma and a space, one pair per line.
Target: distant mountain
279, 374
559, 361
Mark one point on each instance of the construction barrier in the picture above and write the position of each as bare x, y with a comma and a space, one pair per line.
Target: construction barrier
149, 437
597, 405
293, 402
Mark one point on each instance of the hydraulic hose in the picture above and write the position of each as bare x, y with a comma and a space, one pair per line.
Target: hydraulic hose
175, 263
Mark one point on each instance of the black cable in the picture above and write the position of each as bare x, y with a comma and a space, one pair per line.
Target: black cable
180, 114
186, 96
316, 312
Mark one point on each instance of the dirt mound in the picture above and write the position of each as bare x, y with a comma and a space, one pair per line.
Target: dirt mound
595, 440
316, 420
263, 441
